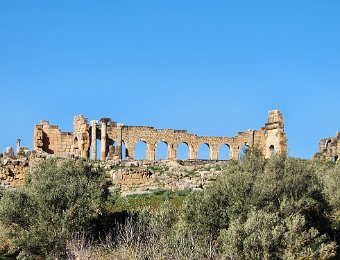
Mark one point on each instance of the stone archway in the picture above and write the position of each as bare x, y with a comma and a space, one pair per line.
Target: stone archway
183, 151
162, 150
224, 152
204, 151
140, 150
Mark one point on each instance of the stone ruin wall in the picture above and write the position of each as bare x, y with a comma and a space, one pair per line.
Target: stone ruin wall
271, 138
50, 141
329, 148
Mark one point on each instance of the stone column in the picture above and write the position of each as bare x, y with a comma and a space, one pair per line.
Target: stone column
103, 138
171, 151
150, 152
193, 152
18, 145
94, 139
214, 152
234, 151
120, 140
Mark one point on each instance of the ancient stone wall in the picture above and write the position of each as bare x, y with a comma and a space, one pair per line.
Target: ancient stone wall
329, 148
50, 139
113, 137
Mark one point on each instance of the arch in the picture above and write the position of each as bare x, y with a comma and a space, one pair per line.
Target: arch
243, 151
204, 152
162, 150
328, 144
272, 150
183, 151
224, 152
140, 149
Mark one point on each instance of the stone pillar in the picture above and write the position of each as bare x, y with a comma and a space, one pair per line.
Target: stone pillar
103, 138
251, 138
151, 152
193, 152
18, 145
120, 140
130, 151
172, 152
233, 152
214, 152
94, 139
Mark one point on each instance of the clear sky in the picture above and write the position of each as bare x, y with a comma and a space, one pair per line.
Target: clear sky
211, 67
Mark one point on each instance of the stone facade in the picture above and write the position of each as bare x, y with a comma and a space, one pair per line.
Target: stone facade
329, 148
117, 140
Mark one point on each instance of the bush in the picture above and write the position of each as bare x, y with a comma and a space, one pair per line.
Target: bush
256, 207
58, 199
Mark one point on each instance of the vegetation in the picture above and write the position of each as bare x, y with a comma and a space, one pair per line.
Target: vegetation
58, 199
281, 208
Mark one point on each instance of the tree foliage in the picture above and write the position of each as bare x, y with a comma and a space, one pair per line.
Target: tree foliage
58, 199
265, 209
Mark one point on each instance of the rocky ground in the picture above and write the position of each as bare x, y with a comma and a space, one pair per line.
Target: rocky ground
130, 177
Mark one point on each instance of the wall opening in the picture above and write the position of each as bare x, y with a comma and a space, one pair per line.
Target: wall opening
271, 150
183, 151
140, 150
328, 144
224, 152
335, 158
162, 151
244, 151
204, 152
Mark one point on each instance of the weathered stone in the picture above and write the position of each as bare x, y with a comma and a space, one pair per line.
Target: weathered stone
329, 148
9, 152
50, 139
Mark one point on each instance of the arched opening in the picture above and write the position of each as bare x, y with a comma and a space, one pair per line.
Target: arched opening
183, 151
328, 144
244, 151
140, 150
271, 150
204, 152
335, 158
162, 151
224, 152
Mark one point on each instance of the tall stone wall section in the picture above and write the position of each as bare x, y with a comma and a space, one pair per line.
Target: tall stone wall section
270, 139
50, 139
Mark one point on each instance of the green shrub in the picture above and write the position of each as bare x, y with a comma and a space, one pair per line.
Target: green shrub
58, 199
252, 210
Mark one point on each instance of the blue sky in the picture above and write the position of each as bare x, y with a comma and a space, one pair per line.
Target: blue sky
211, 67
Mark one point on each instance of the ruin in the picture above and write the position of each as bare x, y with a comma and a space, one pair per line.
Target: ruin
329, 148
118, 141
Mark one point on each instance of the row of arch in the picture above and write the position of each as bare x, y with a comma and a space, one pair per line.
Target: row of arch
204, 151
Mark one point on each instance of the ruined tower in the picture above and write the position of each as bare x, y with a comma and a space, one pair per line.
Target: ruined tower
276, 141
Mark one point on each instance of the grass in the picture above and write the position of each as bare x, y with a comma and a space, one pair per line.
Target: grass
151, 200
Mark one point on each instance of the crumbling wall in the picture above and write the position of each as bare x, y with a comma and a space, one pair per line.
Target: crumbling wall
329, 148
270, 139
50, 139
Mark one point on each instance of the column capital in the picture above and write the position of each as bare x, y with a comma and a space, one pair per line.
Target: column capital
104, 120
94, 122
